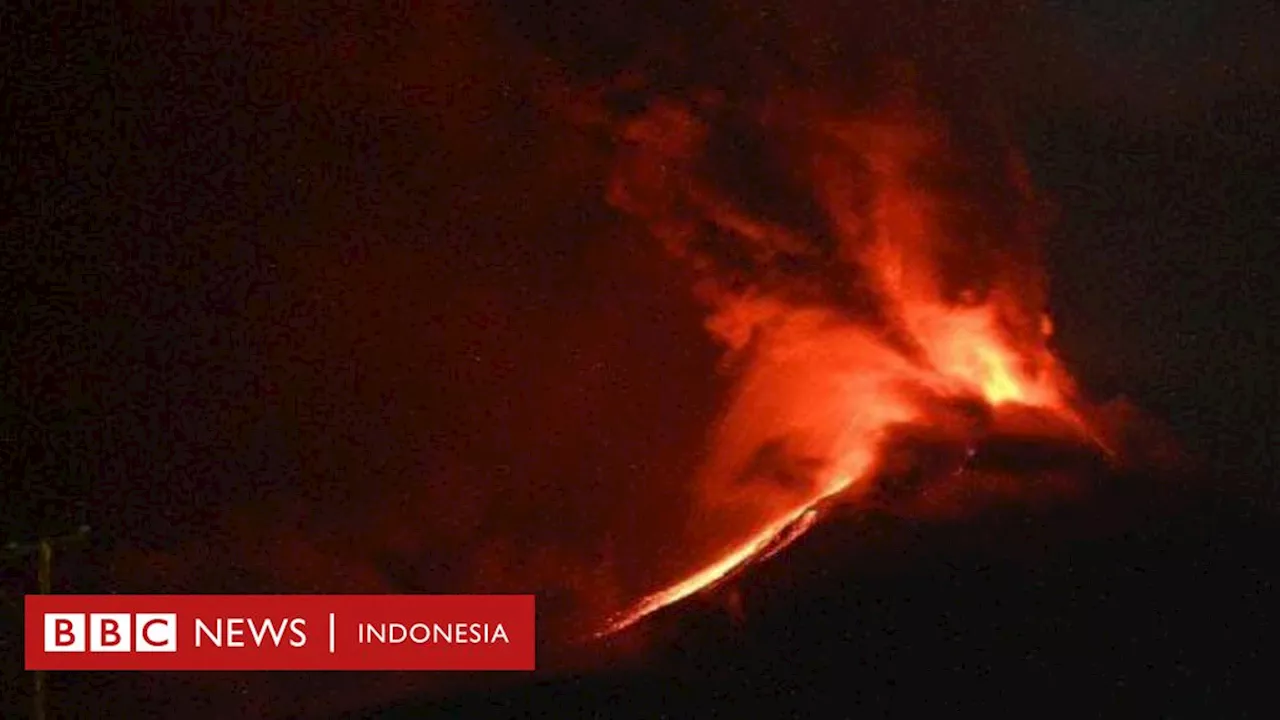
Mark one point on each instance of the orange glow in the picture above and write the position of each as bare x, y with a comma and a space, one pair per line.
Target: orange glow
823, 385
799, 520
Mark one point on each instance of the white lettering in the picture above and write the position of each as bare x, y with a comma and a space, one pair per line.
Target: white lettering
235, 632
425, 633
230, 632
214, 636
298, 627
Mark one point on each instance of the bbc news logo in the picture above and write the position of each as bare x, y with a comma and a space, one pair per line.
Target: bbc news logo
110, 632
280, 632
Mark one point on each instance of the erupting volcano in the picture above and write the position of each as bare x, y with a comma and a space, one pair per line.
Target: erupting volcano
883, 284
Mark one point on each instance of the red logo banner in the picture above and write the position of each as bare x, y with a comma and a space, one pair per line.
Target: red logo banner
280, 632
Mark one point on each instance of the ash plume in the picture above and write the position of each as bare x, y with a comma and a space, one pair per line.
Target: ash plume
840, 182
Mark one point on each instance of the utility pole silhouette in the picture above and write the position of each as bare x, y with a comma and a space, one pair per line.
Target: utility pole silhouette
43, 550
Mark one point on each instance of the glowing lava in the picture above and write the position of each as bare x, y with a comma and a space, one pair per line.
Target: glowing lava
998, 385
877, 313
760, 546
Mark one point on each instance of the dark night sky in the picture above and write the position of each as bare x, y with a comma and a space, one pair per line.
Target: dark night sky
281, 284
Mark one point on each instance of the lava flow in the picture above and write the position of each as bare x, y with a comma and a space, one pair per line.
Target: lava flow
865, 276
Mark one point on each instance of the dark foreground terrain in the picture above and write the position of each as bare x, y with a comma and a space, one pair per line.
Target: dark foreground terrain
1143, 598
1168, 614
